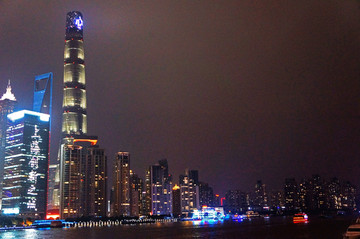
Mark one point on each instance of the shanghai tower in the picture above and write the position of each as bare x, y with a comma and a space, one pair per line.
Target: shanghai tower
74, 103
82, 162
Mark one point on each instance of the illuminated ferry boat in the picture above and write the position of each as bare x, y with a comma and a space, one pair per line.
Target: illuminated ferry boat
353, 231
300, 218
209, 213
48, 223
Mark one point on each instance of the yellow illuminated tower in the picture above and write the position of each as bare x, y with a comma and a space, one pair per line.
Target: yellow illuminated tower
121, 203
82, 163
74, 102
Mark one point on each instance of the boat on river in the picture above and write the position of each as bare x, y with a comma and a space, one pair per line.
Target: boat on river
353, 230
300, 218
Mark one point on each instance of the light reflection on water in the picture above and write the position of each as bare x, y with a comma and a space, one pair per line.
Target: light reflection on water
279, 228
206, 222
8, 235
25, 233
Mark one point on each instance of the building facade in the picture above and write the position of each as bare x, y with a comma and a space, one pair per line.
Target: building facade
291, 194
7, 105
121, 203
43, 93
136, 189
26, 164
94, 179
74, 100
206, 194
70, 181
260, 199
160, 189
235, 202
83, 179
189, 189
54, 187
176, 201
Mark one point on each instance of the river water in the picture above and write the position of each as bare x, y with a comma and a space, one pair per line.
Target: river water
275, 227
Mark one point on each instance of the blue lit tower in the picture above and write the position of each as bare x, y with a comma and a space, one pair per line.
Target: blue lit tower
74, 102
43, 93
26, 164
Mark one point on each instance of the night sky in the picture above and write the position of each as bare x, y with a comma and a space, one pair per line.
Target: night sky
240, 90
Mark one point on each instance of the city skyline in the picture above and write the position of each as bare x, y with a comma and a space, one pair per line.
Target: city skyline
233, 93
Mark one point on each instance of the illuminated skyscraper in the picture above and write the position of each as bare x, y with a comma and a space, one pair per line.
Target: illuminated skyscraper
189, 191
83, 173
26, 164
43, 93
121, 204
7, 105
147, 198
260, 200
176, 197
206, 195
160, 189
54, 187
70, 181
291, 194
83, 179
95, 182
136, 188
74, 102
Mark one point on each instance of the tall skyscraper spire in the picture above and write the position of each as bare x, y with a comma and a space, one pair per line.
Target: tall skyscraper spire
7, 105
8, 94
82, 161
74, 102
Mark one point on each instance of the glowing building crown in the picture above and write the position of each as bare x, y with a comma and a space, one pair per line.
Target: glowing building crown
8, 94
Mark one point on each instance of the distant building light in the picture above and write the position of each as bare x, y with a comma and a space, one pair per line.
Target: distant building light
11, 210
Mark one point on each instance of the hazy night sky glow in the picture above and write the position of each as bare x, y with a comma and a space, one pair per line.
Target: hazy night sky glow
240, 90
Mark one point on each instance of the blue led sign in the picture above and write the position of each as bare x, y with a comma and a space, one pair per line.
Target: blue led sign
78, 22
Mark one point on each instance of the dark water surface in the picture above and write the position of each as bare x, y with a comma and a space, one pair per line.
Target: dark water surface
276, 227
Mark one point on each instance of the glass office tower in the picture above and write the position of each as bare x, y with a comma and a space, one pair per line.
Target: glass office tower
43, 93
26, 164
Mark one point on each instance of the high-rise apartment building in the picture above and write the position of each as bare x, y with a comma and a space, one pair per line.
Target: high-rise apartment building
206, 195
26, 164
121, 203
291, 194
136, 189
160, 186
7, 105
83, 179
334, 191
235, 202
176, 201
147, 192
261, 199
349, 195
189, 191
94, 175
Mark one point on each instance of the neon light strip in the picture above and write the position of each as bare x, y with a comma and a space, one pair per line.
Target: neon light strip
20, 114
15, 145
